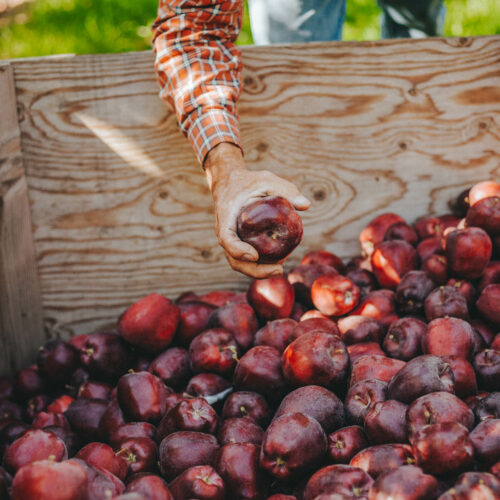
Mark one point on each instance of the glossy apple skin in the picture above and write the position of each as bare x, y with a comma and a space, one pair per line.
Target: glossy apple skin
487, 366
214, 351
345, 443
374, 232
302, 278
140, 453
446, 301
365, 280
247, 404
172, 367
468, 252
449, 337
44, 419
150, 323
102, 456
412, 291
403, 340
293, 444
315, 359
485, 438
488, 304
385, 422
488, 406
105, 356
182, 450
111, 418
193, 319
407, 482
48, 480
34, 445
421, 375
272, 298
142, 396
189, 415
357, 351
201, 482
437, 268
150, 486
131, 430
474, 485
210, 386
323, 258
57, 360
435, 408
238, 465
381, 458
310, 325
238, 319
378, 304
240, 430
356, 329
276, 333
374, 367
334, 294
272, 226
316, 402
84, 416
428, 247
260, 370
391, 260
430, 226
464, 375
483, 190
361, 397
401, 231
344, 481
443, 448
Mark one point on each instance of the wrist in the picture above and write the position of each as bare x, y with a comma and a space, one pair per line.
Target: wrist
221, 160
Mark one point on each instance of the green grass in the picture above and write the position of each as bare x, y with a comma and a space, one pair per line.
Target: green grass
49, 27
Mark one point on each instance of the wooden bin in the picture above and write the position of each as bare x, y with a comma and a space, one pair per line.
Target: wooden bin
102, 201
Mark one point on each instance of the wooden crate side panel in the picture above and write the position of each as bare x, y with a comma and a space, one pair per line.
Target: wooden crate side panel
120, 207
21, 325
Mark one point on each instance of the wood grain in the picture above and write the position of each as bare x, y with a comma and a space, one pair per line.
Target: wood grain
120, 207
21, 325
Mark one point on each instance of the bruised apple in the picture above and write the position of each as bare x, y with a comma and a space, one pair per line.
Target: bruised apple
272, 226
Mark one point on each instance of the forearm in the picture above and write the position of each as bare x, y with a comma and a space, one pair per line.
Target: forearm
199, 68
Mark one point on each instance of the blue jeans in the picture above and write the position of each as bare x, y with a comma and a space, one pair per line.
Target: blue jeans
289, 21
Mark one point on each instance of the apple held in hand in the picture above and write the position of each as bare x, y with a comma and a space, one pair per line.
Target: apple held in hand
272, 226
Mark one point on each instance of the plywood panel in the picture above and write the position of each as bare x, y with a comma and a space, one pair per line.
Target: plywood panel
120, 207
21, 327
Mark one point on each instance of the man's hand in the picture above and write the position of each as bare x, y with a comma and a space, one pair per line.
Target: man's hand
234, 187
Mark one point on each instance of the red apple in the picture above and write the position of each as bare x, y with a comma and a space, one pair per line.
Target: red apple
215, 351
172, 367
381, 458
150, 323
483, 190
375, 231
276, 333
247, 404
48, 480
449, 337
345, 443
272, 298
412, 292
488, 304
391, 260
193, 319
102, 456
272, 226
334, 295
323, 258
150, 486
200, 482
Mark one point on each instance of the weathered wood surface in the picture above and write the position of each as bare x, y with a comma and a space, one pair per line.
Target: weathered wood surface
21, 326
119, 204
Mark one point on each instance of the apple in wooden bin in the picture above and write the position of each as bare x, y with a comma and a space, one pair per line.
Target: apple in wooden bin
272, 226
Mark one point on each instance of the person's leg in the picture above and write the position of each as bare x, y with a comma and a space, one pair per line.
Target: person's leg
290, 21
412, 18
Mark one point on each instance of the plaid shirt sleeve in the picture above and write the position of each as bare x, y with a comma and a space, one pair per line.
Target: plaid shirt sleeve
199, 68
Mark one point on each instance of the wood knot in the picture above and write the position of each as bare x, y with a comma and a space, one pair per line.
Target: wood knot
403, 145
206, 254
249, 81
412, 91
163, 195
319, 195
463, 40
262, 147
483, 125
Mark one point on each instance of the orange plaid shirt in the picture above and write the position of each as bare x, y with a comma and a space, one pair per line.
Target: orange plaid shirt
199, 68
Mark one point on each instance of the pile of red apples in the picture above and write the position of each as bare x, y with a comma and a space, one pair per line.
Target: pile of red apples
377, 378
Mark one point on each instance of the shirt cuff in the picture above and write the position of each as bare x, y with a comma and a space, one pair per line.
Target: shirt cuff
211, 128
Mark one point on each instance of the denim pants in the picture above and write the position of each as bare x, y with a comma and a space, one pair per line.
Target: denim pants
289, 21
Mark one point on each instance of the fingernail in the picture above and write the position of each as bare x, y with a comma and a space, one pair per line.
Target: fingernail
302, 200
